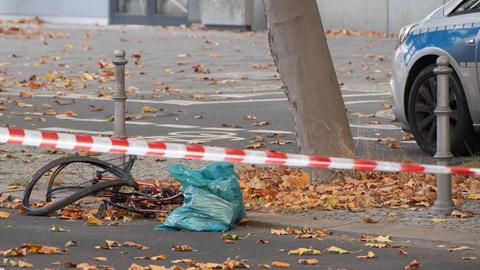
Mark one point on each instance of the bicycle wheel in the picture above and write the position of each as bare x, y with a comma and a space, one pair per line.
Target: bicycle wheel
67, 180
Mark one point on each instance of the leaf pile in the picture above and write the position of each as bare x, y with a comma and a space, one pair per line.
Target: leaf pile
281, 188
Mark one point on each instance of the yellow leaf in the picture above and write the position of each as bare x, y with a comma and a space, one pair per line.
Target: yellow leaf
334, 249
439, 220
304, 251
473, 196
379, 239
376, 245
279, 232
369, 255
91, 220
56, 228
4, 215
281, 264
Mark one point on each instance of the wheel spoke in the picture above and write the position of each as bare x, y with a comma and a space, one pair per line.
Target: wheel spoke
427, 96
422, 108
426, 122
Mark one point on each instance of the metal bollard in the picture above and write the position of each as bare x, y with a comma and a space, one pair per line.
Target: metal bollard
443, 204
120, 96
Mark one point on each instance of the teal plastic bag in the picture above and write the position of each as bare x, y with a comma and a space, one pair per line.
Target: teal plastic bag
213, 199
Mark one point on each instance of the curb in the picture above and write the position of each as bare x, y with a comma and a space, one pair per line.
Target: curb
270, 220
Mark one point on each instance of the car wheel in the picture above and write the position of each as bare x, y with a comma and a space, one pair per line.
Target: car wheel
423, 121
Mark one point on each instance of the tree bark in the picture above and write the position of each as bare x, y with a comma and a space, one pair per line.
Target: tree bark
300, 51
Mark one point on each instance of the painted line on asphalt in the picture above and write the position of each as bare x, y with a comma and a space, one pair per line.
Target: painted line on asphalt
72, 130
370, 126
187, 102
359, 138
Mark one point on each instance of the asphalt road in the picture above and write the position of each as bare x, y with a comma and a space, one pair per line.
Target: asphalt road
211, 248
218, 119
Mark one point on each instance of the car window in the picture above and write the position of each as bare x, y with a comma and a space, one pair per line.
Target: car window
467, 6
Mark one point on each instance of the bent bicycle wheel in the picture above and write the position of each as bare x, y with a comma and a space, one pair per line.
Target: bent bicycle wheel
67, 180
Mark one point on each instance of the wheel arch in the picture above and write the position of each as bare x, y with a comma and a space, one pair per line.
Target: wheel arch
423, 59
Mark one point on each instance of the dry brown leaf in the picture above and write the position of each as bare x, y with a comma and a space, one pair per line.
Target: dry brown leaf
308, 261
4, 215
471, 258
261, 123
369, 220
459, 249
370, 255
70, 114
135, 245
182, 248
148, 109
26, 94
281, 264
249, 117
412, 265
461, 214
255, 146
71, 243
387, 106
100, 259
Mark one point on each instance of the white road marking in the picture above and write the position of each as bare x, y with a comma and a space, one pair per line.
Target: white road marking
246, 95
367, 95
269, 131
376, 139
385, 127
365, 101
175, 126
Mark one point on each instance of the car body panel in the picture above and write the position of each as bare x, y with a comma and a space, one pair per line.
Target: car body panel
437, 35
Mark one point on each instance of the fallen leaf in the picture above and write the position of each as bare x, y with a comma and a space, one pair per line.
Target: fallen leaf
403, 252
4, 215
100, 259
16, 263
461, 214
26, 94
91, 220
182, 248
255, 146
148, 109
412, 265
70, 114
472, 258
71, 243
96, 108
379, 239
136, 267
473, 196
281, 264
439, 220
369, 220
370, 255
264, 266
135, 245
308, 261
334, 249
56, 228
376, 245
387, 106
279, 232
459, 249
262, 242
304, 251
249, 117
261, 123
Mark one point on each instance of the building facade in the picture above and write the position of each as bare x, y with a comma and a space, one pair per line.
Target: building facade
376, 15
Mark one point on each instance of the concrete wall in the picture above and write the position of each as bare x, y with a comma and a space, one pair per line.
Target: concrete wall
227, 12
71, 11
377, 15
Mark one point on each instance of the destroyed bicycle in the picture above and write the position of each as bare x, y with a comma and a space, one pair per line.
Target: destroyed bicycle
68, 180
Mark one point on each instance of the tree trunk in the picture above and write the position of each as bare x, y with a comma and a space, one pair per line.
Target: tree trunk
300, 51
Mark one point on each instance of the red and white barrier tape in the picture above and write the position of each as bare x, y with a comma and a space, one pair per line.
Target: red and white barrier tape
207, 153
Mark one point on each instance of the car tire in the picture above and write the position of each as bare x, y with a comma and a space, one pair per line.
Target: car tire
421, 117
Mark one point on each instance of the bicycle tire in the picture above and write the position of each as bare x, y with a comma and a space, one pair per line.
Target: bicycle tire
124, 179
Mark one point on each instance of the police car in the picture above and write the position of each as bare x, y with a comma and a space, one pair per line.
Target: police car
453, 31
